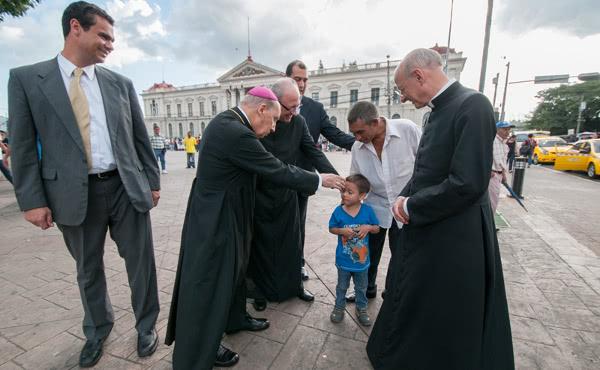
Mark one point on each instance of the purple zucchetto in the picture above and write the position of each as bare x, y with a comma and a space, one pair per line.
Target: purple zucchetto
263, 92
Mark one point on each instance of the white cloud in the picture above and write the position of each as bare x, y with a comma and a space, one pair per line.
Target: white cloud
119, 9
11, 33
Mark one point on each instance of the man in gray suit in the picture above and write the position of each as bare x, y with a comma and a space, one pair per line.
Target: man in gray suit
97, 171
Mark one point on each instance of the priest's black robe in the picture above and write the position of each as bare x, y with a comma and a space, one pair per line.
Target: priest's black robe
276, 254
208, 296
445, 306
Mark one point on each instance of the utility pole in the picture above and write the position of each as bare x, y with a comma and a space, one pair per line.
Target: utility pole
495, 82
389, 98
486, 43
580, 118
505, 87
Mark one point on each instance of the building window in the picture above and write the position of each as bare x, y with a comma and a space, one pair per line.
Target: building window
190, 112
396, 95
375, 95
202, 127
192, 128
333, 99
178, 110
315, 96
170, 131
201, 108
333, 121
353, 96
180, 129
396, 116
168, 110
154, 108
213, 106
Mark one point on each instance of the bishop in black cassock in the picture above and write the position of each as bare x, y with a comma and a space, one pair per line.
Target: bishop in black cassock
209, 290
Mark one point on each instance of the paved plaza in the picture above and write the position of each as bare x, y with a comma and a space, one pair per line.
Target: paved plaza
552, 281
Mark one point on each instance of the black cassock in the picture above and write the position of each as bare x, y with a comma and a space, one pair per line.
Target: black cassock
275, 258
209, 291
445, 306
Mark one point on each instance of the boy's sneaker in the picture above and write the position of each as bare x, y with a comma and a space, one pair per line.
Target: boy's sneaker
363, 317
337, 315
165, 171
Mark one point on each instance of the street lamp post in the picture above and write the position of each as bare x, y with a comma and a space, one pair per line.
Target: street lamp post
389, 97
505, 87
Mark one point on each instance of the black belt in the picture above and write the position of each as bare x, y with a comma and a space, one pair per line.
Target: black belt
500, 172
104, 175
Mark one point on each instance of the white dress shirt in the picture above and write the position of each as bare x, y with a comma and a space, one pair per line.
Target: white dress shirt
103, 158
388, 176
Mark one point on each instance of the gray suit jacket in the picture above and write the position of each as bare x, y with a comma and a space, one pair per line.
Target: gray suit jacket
39, 106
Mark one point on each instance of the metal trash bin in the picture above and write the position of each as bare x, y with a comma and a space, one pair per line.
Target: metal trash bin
518, 177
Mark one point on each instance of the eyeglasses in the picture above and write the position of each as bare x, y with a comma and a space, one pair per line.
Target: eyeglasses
295, 109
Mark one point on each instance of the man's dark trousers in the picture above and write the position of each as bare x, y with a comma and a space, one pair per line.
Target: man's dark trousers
376, 242
302, 208
109, 208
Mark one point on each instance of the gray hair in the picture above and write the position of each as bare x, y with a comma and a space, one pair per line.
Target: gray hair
254, 102
283, 85
420, 58
363, 110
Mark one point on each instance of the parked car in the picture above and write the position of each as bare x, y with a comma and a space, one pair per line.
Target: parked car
583, 156
545, 151
586, 135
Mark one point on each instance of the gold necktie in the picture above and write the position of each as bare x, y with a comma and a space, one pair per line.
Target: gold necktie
82, 112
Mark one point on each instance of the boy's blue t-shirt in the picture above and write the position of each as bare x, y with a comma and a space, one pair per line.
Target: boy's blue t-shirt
352, 254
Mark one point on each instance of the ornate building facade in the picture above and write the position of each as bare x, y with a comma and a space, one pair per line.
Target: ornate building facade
177, 110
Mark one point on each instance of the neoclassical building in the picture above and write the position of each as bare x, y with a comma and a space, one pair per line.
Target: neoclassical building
177, 110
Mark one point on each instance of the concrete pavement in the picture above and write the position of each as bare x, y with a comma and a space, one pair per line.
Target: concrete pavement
552, 281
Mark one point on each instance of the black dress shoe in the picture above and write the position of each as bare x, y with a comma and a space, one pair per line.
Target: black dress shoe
252, 324
306, 296
91, 353
371, 294
226, 357
147, 343
303, 273
259, 304
351, 297
383, 294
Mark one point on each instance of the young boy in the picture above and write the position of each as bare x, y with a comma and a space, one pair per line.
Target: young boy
353, 221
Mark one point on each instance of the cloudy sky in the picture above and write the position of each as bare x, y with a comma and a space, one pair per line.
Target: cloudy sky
188, 42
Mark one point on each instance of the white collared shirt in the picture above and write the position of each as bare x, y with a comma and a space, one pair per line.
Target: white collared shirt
447, 85
103, 158
500, 163
388, 176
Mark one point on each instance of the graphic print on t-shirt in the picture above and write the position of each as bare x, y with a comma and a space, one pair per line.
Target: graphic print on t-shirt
354, 247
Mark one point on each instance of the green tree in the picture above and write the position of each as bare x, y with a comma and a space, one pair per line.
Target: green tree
559, 108
16, 8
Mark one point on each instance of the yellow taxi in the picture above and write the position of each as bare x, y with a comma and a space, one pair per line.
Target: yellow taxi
584, 155
545, 151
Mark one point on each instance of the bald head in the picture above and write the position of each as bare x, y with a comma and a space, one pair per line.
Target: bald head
420, 76
288, 94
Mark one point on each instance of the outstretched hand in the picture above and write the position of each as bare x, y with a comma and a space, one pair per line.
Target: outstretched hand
332, 181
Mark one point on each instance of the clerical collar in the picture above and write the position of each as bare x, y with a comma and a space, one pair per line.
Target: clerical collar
245, 115
446, 86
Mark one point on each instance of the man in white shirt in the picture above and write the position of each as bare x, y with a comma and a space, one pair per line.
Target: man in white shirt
384, 152
500, 163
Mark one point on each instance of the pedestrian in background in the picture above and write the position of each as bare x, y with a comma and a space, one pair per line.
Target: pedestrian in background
512, 151
499, 163
190, 149
159, 146
4, 164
